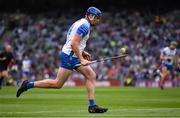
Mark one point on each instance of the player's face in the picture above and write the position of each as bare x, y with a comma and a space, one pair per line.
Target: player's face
94, 19
172, 47
8, 49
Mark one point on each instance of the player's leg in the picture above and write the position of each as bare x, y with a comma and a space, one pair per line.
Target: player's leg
3, 74
163, 76
171, 72
1, 79
90, 75
61, 77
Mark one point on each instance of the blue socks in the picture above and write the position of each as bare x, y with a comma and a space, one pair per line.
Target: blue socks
30, 85
91, 102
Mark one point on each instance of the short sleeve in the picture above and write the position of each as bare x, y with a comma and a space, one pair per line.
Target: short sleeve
83, 30
164, 51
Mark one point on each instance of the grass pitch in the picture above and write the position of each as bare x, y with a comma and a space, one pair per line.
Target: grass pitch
123, 102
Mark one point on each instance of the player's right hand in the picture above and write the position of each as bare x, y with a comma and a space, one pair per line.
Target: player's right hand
86, 55
85, 62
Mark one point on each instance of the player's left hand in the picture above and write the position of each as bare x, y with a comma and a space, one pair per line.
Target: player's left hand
86, 55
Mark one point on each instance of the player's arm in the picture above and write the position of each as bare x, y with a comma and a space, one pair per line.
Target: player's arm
162, 56
81, 55
175, 59
3, 58
81, 32
86, 55
74, 45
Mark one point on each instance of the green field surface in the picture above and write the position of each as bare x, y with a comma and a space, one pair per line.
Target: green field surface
123, 102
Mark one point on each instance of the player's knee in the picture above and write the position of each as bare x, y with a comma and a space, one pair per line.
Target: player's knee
92, 75
5, 74
165, 73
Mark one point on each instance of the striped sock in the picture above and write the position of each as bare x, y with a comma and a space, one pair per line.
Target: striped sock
30, 85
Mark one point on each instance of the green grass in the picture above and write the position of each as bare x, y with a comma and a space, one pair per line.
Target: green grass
72, 102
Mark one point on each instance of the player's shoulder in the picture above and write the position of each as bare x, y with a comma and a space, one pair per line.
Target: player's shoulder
166, 48
83, 21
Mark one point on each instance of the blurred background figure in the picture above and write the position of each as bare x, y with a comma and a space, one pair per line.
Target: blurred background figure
6, 62
168, 59
26, 68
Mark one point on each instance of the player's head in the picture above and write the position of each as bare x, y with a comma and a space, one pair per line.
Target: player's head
8, 48
93, 14
173, 45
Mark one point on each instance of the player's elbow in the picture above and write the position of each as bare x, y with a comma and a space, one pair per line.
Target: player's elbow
74, 45
162, 57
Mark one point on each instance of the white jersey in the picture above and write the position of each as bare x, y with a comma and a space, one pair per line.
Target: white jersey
169, 54
26, 65
81, 27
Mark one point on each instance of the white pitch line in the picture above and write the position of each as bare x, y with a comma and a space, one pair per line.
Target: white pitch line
72, 111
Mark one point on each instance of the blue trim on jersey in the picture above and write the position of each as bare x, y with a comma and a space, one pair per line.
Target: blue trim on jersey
68, 61
83, 30
164, 53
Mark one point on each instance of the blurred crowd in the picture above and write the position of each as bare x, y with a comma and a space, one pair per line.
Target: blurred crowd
38, 38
